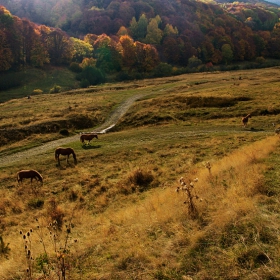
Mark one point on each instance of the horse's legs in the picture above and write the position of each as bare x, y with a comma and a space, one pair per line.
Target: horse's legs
67, 159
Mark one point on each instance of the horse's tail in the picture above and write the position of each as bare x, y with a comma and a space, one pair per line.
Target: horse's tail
82, 138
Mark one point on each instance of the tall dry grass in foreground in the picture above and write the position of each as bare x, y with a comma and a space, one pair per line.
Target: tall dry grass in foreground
156, 239
151, 235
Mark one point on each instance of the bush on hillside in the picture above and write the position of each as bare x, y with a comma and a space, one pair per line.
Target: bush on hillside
37, 91
141, 179
84, 83
163, 70
75, 67
94, 75
64, 132
55, 89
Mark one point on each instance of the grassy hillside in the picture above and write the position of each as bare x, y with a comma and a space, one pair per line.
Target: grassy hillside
179, 190
43, 79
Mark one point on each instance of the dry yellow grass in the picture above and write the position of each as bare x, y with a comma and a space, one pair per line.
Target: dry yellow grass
125, 231
140, 234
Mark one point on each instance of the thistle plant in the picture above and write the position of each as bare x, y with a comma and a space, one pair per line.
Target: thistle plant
27, 249
208, 166
188, 189
55, 260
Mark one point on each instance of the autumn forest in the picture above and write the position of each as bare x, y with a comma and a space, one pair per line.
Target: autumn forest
133, 38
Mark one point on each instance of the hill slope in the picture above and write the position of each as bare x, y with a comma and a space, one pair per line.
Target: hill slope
122, 213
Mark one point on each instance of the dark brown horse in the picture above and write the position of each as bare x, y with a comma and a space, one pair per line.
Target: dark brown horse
246, 119
65, 152
88, 137
32, 174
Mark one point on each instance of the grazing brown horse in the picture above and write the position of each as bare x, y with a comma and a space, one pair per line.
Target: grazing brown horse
88, 137
65, 152
246, 119
32, 174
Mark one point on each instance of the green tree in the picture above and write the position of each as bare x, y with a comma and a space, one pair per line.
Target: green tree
133, 28
170, 30
194, 62
154, 34
81, 48
108, 59
227, 53
139, 29
92, 74
142, 27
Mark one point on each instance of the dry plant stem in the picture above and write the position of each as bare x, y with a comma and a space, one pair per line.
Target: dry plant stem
188, 190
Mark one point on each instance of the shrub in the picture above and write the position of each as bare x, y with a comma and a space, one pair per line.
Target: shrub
123, 76
162, 70
55, 89
75, 67
94, 75
37, 91
35, 203
84, 83
260, 59
141, 178
64, 132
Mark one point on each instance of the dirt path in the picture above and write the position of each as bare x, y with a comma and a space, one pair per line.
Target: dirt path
105, 127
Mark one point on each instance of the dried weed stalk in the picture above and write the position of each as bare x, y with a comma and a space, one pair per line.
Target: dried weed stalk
55, 260
189, 191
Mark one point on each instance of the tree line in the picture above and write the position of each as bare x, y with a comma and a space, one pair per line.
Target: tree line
143, 42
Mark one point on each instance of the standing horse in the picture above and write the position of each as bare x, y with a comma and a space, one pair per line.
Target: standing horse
32, 174
65, 152
246, 119
88, 137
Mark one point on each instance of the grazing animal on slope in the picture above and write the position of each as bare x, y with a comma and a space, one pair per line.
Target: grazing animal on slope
88, 137
65, 152
246, 119
32, 174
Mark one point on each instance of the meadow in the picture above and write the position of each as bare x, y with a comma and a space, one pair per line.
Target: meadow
178, 189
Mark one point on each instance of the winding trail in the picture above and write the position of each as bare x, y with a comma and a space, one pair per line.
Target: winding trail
103, 128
